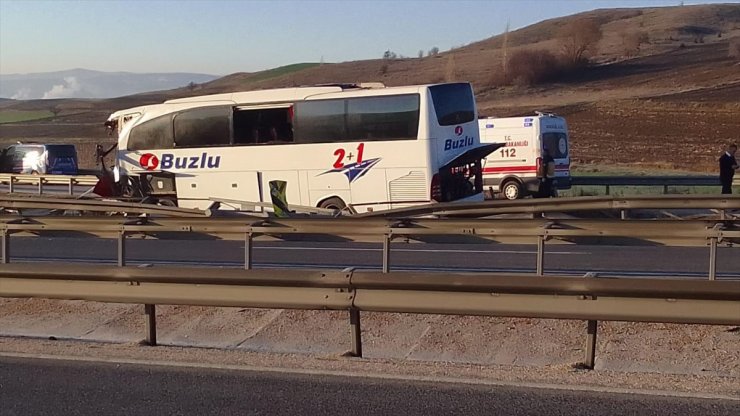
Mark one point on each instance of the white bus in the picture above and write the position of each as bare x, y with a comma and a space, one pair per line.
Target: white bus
513, 169
365, 147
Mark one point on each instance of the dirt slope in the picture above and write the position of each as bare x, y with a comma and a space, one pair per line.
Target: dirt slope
674, 105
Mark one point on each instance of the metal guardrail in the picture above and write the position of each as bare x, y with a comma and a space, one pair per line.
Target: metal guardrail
40, 181
451, 209
665, 181
581, 298
714, 302
606, 181
701, 233
29, 202
571, 204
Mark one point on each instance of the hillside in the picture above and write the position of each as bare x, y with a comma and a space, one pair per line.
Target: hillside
672, 104
79, 83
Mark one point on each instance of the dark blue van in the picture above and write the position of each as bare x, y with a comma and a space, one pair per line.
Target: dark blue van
57, 159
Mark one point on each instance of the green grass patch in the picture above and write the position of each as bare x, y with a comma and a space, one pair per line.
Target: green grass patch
629, 190
280, 71
621, 191
627, 170
15, 116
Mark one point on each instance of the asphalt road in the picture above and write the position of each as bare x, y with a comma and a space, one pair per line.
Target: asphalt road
54, 387
690, 262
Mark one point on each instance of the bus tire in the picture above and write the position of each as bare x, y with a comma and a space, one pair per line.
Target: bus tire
166, 202
333, 203
511, 189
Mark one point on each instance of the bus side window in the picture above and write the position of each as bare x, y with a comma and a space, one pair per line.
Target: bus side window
262, 126
202, 127
245, 127
153, 134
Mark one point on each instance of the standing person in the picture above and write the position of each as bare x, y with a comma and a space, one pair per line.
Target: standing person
547, 189
727, 168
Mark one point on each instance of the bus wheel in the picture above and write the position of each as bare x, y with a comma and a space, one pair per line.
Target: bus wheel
511, 190
127, 191
166, 202
333, 203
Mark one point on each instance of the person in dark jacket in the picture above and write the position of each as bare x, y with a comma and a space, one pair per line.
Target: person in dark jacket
547, 186
727, 168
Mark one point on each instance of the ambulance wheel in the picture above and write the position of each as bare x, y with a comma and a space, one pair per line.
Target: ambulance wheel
511, 190
333, 203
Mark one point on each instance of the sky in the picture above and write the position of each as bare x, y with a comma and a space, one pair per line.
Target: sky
221, 37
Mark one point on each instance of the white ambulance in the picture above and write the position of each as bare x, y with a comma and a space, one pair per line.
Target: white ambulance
513, 169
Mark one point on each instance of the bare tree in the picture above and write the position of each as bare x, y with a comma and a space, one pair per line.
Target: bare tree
421, 53
192, 86
55, 110
505, 51
578, 39
632, 41
389, 55
433, 51
450, 70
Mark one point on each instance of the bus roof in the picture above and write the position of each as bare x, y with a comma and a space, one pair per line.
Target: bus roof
270, 96
298, 93
261, 96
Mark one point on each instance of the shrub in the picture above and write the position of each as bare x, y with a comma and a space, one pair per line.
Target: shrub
529, 67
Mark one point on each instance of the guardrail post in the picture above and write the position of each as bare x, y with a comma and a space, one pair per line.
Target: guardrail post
607, 189
591, 332
623, 214
121, 248
5, 237
540, 255
713, 258
355, 329
248, 251
356, 332
41, 185
665, 189
71, 186
387, 253
11, 182
150, 315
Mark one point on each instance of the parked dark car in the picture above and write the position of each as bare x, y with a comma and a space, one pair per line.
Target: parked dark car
58, 159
